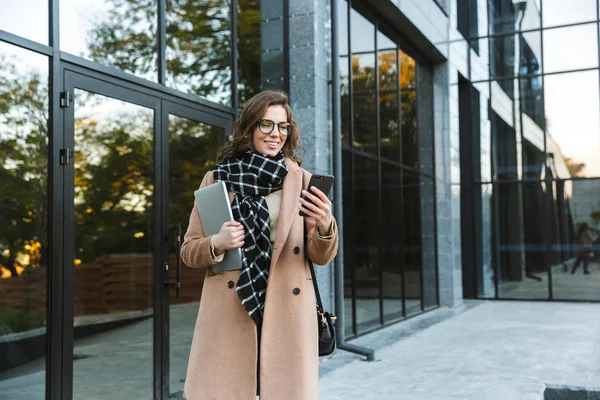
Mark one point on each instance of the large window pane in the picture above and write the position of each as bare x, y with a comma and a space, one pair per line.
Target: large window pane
571, 104
519, 236
561, 12
114, 247
117, 33
24, 214
412, 230
570, 48
199, 47
391, 245
26, 18
576, 206
366, 243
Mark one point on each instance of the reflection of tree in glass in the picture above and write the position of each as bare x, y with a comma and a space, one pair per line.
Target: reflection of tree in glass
389, 79
198, 44
193, 147
23, 168
575, 168
114, 182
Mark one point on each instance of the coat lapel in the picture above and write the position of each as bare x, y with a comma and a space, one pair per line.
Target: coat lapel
292, 185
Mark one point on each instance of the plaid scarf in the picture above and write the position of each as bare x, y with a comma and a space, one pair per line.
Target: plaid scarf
250, 178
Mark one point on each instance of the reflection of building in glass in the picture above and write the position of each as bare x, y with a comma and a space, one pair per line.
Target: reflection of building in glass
468, 143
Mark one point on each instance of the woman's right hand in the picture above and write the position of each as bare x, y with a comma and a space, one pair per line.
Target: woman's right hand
231, 236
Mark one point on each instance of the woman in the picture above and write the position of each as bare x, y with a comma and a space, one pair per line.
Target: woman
256, 329
586, 239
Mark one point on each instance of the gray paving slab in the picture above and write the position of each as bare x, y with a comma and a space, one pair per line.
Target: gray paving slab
495, 350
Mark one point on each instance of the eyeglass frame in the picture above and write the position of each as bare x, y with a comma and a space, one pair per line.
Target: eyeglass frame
289, 127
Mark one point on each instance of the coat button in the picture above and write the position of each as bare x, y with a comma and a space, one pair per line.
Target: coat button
230, 284
296, 291
296, 250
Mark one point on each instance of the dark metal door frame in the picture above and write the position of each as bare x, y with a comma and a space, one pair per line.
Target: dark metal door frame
194, 114
74, 77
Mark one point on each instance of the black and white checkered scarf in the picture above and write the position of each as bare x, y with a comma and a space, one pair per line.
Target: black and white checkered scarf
251, 178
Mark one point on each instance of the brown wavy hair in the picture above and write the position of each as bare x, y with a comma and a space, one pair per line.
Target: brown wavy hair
254, 109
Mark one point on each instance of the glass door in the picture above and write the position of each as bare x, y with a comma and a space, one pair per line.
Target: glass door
193, 138
110, 240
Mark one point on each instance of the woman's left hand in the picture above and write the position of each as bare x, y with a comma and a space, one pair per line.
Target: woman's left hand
319, 209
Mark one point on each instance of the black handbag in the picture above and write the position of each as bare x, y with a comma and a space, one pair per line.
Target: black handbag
324, 318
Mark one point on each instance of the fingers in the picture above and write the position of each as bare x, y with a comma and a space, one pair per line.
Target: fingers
322, 196
313, 208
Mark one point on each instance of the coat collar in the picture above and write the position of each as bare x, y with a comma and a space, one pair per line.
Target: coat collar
289, 209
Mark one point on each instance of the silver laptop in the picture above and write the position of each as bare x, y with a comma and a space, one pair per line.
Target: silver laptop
214, 208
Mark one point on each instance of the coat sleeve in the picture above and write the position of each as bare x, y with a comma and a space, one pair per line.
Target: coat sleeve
195, 251
320, 250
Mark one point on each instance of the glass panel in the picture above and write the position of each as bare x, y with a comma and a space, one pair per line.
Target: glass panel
251, 72
26, 18
505, 148
389, 118
485, 268
530, 53
508, 16
413, 261
408, 71
116, 33
575, 230
561, 12
347, 191
24, 214
199, 48
114, 253
570, 48
571, 104
518, 233
365, 123
345, 101
366, 243
342, 27
188, 140
389, 125
425, 122
391, 242
363, 73
410, 133
428, 247
502, 57
408, 104
362, 35
532, 107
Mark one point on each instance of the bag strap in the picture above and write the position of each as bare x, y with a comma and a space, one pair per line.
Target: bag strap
312, 269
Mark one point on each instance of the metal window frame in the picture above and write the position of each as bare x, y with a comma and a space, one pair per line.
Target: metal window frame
353, 153
60, 280
548, 181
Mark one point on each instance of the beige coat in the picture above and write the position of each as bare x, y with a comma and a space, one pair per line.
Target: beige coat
222, 363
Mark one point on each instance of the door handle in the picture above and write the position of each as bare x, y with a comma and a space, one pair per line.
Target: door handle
178, 247
177, 283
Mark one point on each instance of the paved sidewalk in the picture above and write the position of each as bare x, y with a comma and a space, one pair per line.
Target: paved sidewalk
494, 350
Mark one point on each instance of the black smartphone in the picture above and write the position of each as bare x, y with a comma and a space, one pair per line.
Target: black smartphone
321, 182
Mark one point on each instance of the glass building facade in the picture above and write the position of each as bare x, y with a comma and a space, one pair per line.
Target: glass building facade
469, 146
535, 187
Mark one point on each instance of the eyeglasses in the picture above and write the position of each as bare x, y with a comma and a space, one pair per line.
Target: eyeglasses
266, 126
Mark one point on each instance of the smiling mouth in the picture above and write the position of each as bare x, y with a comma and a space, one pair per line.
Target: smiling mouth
272, 144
